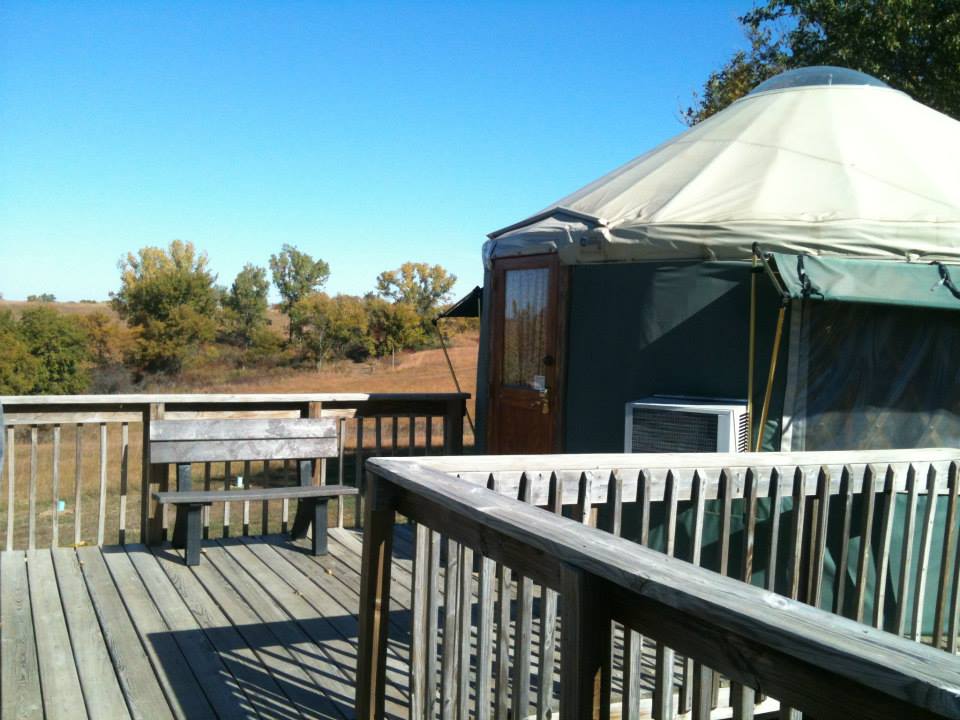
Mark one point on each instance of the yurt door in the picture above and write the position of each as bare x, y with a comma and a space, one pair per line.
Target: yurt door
525, 373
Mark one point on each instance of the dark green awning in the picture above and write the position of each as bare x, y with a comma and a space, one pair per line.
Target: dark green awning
886, 282
467, 306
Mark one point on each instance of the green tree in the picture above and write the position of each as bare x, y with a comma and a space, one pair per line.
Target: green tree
43, 297
18, 368
393, 326
332, 327
245, 305
59, 344
421, 285
912, 45
108, 340
296, 276
168, 297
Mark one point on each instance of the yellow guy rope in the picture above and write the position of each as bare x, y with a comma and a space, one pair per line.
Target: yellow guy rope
772, 373
453, 372
751, 350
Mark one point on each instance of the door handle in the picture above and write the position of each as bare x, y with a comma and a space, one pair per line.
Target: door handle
543, 402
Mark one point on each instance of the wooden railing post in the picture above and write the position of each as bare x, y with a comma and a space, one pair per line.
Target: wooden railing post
151, 515
379, 514
584, 646
453, 426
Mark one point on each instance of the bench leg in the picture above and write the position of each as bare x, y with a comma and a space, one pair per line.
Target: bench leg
194, 533
179, 539
320, 527
312, 511
303, 518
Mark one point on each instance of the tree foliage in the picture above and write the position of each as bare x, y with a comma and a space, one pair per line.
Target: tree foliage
245, 305
296, 276
169, 298
42, 297
912, 45
393, 326
18, 368
424, 287
109, 341
332, 327
60, 345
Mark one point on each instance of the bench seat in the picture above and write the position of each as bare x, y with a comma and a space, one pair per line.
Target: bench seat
312, 509
206, 497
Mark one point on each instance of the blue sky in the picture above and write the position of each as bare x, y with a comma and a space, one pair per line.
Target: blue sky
367, 134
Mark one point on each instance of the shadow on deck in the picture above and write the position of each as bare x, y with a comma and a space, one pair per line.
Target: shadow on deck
259, 628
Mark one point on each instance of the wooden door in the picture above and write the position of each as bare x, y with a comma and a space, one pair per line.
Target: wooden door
525, 363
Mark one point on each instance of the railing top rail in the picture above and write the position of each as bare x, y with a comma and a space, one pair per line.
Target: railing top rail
655, 467
11, 401
679, 461
736, 614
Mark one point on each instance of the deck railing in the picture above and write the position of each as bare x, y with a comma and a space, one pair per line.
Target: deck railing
542, 588
76, 469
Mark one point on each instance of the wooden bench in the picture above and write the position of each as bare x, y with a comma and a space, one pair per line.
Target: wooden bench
182, 442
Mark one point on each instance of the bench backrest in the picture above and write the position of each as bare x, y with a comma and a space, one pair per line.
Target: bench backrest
188, 441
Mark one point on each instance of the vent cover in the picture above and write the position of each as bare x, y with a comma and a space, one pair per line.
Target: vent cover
664, 425
670, 431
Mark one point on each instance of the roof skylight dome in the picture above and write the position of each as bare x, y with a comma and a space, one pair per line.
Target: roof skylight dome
817, 75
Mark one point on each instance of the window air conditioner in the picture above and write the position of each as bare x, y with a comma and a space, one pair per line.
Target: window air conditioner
674, 424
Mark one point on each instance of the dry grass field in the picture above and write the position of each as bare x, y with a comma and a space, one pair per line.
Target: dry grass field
424, 371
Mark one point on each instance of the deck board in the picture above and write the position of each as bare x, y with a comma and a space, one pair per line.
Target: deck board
180, 685
101, 687
59, 680
20, 684
141, 685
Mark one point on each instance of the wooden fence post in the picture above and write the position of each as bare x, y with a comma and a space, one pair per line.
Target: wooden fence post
379, 515
453, 426
584, 646
151, 516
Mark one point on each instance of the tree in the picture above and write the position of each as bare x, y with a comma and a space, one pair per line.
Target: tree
43, 297
393, 326
296, 276
912, 45
245, 305
421, 285
168, 297
332, 327
59, 344
18, 368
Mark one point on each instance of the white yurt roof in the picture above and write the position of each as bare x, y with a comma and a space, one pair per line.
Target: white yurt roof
820, 160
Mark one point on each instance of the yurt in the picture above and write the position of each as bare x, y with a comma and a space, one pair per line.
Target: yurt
783, 275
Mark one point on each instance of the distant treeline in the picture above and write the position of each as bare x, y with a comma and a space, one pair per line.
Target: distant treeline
170, 316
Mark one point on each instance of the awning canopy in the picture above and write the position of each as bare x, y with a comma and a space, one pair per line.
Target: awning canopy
466, 307
856, 280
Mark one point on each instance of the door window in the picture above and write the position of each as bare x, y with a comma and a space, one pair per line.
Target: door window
525, 327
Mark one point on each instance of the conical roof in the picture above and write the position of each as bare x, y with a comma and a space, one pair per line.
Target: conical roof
829, 169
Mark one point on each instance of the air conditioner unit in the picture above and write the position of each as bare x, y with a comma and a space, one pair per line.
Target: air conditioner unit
672, 424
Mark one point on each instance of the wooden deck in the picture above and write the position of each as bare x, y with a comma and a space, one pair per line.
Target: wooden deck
260, 628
